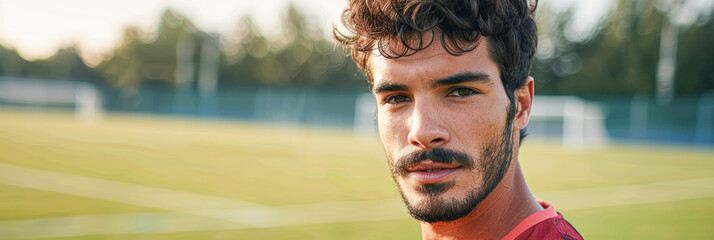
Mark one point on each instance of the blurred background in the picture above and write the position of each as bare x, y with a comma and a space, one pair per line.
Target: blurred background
180, 119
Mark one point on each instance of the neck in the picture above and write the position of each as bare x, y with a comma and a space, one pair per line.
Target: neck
506, 206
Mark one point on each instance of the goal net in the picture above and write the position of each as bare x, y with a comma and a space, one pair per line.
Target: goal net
82, 97
580, 123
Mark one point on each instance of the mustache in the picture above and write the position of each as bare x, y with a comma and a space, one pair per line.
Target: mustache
438, 154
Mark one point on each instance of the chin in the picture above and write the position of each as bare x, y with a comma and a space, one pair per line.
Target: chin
447, 206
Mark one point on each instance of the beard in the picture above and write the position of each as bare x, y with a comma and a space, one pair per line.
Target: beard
493, 163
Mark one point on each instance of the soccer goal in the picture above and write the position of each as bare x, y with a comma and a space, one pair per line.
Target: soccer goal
365, 123
581, 123
82, 97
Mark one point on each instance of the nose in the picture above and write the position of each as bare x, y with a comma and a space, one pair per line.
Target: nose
427, 128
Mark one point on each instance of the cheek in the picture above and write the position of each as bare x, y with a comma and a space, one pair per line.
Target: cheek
477, 123
389, 130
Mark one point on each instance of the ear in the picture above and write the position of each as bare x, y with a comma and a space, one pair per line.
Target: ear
524, 102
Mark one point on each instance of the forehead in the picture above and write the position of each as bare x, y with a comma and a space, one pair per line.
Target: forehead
432, 63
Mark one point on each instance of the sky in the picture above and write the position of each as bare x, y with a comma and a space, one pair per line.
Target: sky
37, 28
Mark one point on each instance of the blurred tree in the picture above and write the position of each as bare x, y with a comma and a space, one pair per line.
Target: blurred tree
158, 57
11, 63
136, 60
621, 57
65, 64
309, 58
302, 55
300, 61
244, 54
695, 57
122, 69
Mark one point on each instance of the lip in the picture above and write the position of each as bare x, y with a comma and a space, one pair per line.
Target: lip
424, 174
424, 177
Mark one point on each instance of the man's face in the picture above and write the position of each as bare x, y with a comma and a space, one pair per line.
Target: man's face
446, 125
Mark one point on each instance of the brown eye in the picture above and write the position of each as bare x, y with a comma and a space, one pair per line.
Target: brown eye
397, 99
462, 92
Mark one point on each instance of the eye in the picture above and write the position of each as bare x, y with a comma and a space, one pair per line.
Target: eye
462, 92
396, 99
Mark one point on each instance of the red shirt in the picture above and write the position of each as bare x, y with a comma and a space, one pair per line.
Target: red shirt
545, 224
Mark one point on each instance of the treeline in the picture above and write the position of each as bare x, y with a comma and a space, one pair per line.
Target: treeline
301, 55
618, 58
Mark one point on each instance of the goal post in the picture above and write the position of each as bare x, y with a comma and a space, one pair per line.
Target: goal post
365, 122
82, 96
583, 123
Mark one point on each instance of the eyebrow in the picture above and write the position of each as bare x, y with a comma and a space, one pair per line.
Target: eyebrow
450, 80
462, 78
390, 87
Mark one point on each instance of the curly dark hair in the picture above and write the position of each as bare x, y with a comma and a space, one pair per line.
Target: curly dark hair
399, 28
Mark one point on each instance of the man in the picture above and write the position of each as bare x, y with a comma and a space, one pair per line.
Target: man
453, 98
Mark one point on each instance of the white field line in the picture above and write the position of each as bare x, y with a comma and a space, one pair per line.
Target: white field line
202, 213
172, 222
134, 194
630, 194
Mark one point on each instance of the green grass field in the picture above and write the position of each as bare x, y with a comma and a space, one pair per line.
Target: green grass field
296, 171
